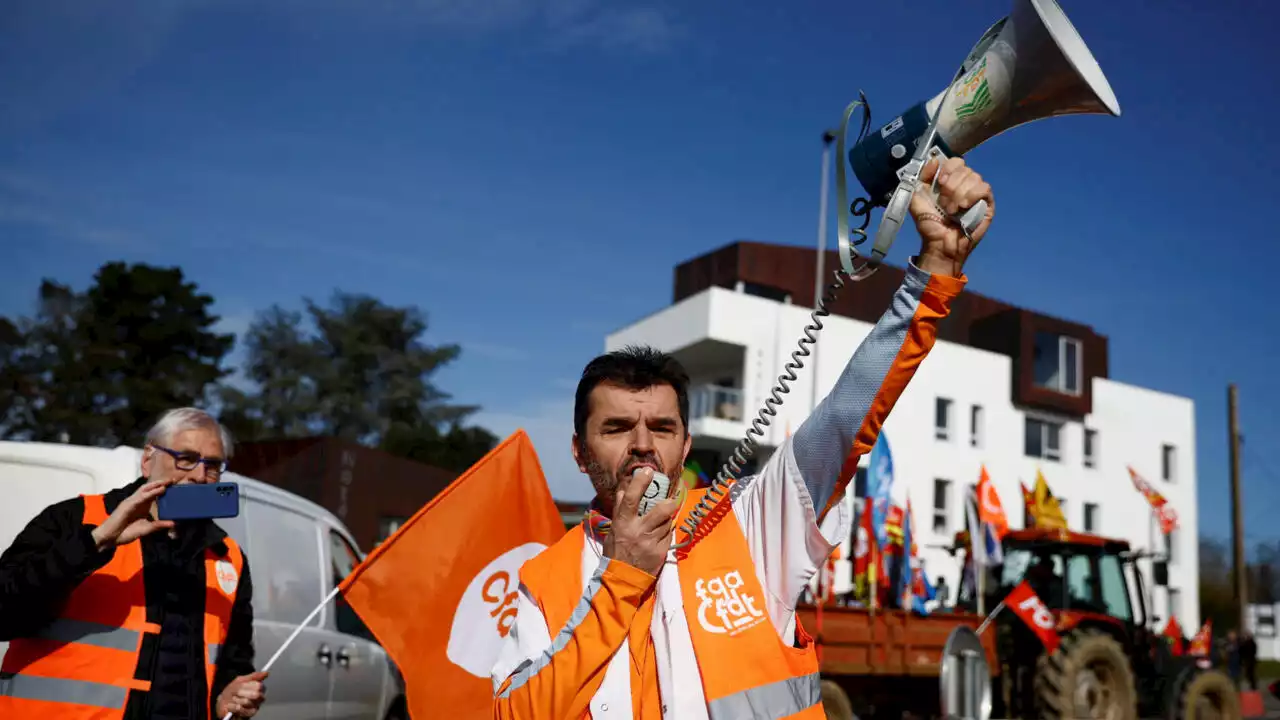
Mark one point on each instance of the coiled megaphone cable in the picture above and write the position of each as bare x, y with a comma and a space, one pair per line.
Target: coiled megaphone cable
853, 266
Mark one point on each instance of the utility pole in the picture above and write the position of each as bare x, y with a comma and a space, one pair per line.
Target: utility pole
819, 283
1241, 573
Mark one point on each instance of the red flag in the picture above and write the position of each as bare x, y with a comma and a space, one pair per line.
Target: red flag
1159, 505
1173, 632
1024, 603
1201, 642
440, 594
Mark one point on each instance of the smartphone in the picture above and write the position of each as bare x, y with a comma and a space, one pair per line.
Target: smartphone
658, 490
199, 501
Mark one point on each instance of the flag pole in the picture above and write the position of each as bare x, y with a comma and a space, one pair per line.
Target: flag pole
994, 612
294, 635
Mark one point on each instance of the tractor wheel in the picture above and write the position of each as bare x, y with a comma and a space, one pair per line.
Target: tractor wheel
836, 702
1209, 696
1088, 676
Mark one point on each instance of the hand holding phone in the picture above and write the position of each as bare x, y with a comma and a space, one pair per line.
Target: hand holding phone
132, 518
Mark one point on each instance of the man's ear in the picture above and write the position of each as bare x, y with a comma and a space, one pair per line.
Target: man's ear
579, 456
147, 455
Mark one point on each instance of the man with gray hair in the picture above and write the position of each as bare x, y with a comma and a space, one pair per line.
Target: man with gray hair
114, 613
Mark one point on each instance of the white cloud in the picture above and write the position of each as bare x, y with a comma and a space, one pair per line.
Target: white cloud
549, 425
62, 226
235, 323
641, 29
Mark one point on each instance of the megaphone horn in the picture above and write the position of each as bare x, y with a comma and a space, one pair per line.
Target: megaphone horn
1028, 66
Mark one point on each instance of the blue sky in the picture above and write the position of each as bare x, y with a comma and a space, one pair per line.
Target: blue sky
530, 171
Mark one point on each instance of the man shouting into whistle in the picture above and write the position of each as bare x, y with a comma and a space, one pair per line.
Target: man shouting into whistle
616, 623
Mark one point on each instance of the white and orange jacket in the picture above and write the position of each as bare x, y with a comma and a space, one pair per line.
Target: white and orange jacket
725, 642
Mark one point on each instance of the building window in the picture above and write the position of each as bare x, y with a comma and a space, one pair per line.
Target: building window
1168, 463
941, 498
942, 419
1058, 363
975, 426
860, 483
388, 525
1043, 439
1175, 603
1091, 520
1062, 505
1171, 547
1090, 448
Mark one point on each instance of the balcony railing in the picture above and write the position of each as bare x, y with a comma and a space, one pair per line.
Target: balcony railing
715, 401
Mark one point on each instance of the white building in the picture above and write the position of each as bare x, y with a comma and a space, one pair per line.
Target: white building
1004, 386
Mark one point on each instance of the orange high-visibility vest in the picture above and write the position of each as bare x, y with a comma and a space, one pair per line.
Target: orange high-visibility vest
82, 665
743, 662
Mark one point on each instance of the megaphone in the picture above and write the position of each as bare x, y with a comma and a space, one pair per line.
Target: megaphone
1028, 66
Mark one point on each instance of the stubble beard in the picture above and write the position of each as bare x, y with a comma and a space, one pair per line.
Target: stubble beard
606, 482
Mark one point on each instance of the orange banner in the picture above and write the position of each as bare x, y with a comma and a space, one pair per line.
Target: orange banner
440, 594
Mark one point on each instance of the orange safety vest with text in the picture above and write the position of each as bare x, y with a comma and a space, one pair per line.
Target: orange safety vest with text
744, 664
82, 665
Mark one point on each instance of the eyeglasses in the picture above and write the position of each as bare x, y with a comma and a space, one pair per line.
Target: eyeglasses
189, 460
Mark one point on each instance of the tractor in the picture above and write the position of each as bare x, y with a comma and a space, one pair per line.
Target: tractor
1110, 663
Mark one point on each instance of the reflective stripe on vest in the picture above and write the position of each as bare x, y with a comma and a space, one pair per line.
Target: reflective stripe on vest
81, 665
748, 672
57, 690
785, 698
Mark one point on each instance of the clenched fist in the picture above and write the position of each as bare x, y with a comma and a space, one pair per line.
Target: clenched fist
943, 245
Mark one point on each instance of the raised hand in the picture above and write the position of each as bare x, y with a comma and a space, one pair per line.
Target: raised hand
943, 245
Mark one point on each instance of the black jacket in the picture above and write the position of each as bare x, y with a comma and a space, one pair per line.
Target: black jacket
55, 552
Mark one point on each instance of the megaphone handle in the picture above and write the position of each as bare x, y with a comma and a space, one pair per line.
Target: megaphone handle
970, 219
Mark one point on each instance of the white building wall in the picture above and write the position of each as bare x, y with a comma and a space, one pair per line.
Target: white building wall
1132, 424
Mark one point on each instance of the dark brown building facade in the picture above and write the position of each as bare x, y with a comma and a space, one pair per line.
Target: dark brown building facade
1054, 360
371, 491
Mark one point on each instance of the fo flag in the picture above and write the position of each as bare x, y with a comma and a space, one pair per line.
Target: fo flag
1024, 603
440, 594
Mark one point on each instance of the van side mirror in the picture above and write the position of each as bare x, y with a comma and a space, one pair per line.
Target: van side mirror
1160, 571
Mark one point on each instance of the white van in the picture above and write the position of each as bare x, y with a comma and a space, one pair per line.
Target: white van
297, 552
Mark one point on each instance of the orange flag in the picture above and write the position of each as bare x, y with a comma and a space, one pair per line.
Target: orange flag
990, 510
440, 594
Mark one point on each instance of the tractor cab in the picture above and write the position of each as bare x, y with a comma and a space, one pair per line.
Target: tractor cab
1099, 601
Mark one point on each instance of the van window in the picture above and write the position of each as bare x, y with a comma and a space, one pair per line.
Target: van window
284, 557
344, 559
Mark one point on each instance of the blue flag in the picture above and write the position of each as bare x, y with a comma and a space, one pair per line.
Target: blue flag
880, 486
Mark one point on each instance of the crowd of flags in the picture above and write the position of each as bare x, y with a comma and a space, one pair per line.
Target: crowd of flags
887, 572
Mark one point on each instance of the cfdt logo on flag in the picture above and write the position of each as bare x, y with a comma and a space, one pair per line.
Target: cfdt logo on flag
487, 610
